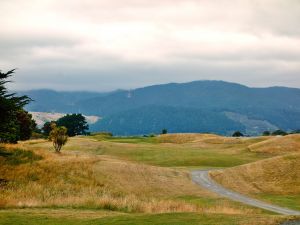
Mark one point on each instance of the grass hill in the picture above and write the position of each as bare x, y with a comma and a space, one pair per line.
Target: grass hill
252, 110
276, 180
278, 144
129, 180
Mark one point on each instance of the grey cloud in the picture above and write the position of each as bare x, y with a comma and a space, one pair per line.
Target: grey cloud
105, 45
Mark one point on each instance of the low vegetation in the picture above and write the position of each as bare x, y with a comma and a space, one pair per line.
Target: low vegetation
103, 179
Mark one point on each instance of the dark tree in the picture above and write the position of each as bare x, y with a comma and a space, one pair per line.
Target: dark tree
75, 124
46, 129
164, 131
266, 133
237, 134
26, 124
279, 132
10, 108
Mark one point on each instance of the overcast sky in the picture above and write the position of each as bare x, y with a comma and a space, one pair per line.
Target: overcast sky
109, 44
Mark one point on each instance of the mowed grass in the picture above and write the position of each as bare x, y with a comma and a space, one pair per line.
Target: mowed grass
289, 201
71, 217
204, 151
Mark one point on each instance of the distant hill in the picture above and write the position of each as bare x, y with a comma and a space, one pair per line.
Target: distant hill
152, 119
199, 106
57, 101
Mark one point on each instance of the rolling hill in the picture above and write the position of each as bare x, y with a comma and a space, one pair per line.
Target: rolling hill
199, 106
275, 180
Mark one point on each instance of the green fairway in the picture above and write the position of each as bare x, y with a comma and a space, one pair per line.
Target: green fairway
149, 150
55, 217
290, 201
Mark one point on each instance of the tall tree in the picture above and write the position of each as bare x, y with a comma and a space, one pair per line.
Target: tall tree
75, 123
10, 108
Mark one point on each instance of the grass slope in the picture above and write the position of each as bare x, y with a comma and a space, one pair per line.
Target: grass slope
276, 180
132, 180
278, 144
83, 179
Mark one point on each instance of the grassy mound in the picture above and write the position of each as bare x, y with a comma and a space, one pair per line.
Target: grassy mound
278, 144
82, 178
276, 179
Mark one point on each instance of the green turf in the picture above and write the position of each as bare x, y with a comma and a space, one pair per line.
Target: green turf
289, 201
182, 156
12, 218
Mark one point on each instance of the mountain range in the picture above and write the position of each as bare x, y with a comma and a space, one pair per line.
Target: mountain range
200, 106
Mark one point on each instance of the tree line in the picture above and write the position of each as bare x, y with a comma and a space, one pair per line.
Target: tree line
15, 122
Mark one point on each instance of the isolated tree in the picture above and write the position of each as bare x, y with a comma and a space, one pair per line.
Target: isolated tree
164, 131
237, 134
58, 136
10, 107
266, 133
75, 123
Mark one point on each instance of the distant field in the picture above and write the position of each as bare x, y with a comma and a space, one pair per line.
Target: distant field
129, 180
43, 117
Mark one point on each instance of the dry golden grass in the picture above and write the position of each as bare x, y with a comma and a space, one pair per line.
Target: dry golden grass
80, 179
278, 144
278, 175
209, 140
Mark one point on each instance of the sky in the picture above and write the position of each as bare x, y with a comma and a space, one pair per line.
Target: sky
103, 45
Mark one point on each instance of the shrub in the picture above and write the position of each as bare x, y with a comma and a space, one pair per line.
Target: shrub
164, 131
59, 137
266, 133
237, 134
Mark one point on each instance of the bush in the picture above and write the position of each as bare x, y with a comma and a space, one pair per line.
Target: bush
266, 133
59, 137
164, 131
237, 134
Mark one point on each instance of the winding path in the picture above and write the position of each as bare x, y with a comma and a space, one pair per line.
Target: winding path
202, 178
